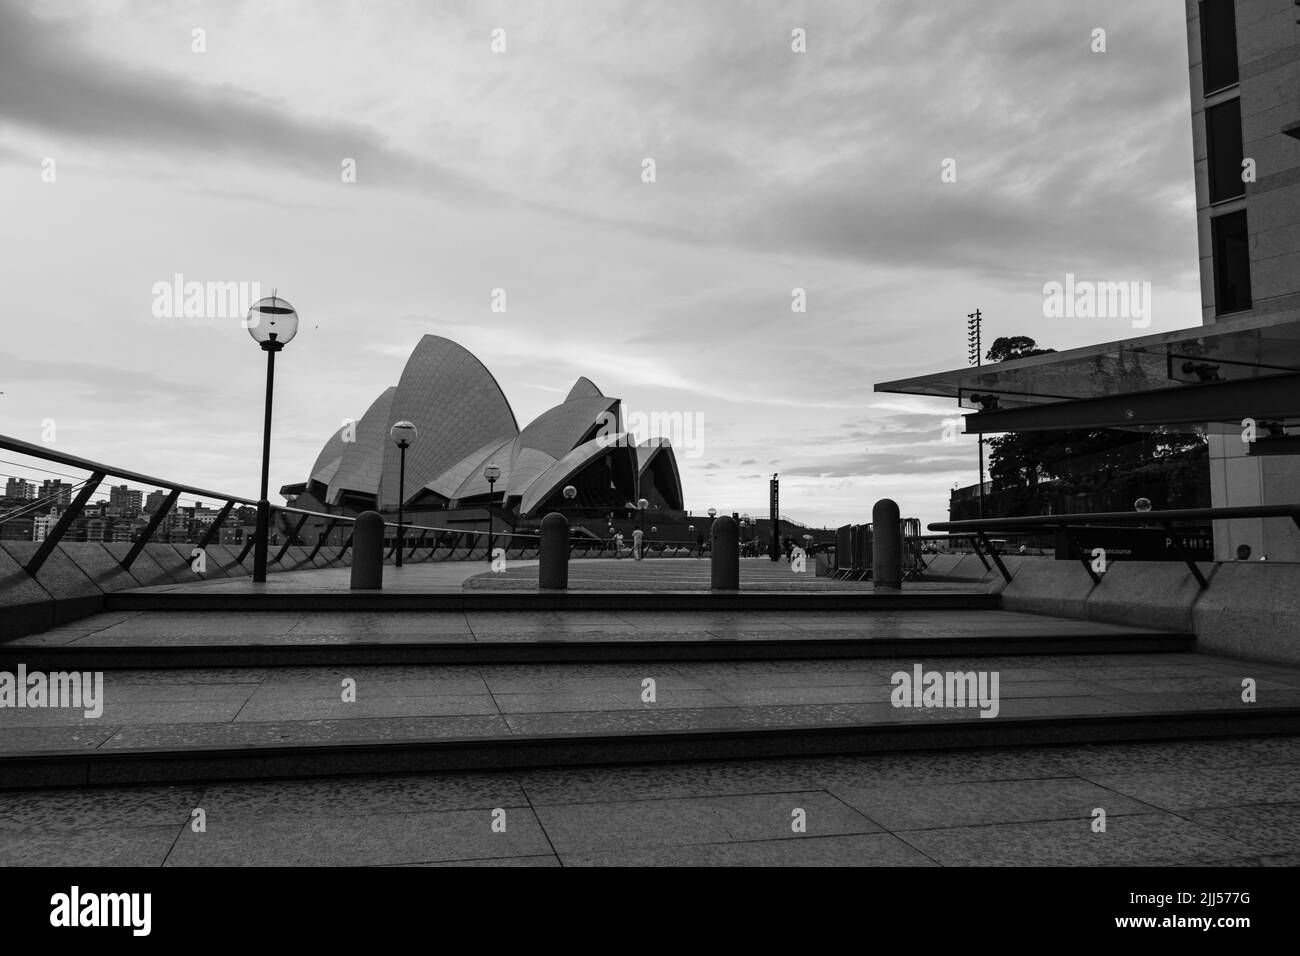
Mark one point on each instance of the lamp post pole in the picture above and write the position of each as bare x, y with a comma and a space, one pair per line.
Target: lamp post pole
492, 472
401, 498
272, 323
641, 506
263, 504
976, 354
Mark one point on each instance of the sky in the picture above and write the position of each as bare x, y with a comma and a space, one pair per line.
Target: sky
128, 156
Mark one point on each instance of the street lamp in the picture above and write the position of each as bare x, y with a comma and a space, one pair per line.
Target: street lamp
491, 473
641, 506
570, 493
405, 435
272, 323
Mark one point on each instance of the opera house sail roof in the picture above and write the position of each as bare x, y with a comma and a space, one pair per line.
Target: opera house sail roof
465, 422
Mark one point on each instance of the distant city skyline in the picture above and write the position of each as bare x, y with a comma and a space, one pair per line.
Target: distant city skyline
516, 178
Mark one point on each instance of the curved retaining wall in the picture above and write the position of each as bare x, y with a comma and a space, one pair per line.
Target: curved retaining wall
1250, 609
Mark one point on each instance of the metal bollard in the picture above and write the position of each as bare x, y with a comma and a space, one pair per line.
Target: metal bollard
725, 557
554, 555
886, 546
368, 551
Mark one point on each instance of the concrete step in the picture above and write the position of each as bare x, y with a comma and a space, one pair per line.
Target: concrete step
179, 639
215, 599
575, 650
159, 726
158, 765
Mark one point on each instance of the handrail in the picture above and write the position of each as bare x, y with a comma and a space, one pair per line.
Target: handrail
41, 451
1164, 519
1121, 517
85, 487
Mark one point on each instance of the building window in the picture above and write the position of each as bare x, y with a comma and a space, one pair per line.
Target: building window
1231, 263
1218, 44
1223, 139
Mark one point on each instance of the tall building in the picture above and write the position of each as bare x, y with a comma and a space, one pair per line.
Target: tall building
20, 489
129, 503
1236, 376
153, 501
1245, 84
56, 492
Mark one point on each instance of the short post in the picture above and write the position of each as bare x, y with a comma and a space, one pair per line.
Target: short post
637, 537
886, 546
368, 551
725, 556
553, 572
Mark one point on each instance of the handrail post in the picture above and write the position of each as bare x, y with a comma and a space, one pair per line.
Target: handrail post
1182, 553
216, 525
997, 558
288, 538
320, 540
145, 535
53, 537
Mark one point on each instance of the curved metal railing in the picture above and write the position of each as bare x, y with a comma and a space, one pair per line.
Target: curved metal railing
420, 543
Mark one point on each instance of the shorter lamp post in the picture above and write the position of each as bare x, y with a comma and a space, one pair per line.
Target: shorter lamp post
492, 472
404, 434
690, 536
570, 493
641, 506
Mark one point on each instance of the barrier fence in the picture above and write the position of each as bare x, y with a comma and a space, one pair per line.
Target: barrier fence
332, 532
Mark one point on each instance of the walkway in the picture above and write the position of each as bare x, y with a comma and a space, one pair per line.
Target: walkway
1228, 802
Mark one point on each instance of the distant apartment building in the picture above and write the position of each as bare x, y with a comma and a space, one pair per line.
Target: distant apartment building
41, 526
19, 489
56, 492
128, 502
153, 501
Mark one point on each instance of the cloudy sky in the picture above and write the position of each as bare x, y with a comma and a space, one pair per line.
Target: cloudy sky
522, 170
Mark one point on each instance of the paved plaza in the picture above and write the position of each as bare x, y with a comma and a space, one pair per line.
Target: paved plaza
1231, 802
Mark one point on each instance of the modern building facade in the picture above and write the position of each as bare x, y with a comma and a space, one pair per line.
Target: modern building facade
464, 424
1236, 377
1245, 85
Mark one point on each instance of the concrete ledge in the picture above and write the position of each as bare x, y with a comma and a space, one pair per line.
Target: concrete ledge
184, 565
1251, 610
223, 557
144, 568
99, 565
1157, 594
74, 594
25, 606
1043, 586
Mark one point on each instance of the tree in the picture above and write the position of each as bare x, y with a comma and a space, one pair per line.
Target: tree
1007, 347
1086, 461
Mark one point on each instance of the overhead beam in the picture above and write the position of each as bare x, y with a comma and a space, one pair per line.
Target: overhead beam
1271, 397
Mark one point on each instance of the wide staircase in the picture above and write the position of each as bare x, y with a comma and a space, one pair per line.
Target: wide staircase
456, 667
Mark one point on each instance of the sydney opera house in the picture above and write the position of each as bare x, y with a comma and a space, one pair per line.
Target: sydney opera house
465, 423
